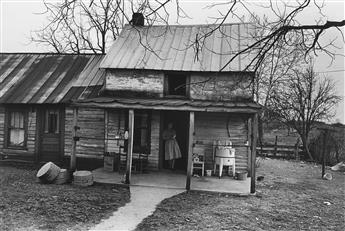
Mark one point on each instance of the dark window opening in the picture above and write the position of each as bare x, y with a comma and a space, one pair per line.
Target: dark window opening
52, 121
176, 85
141, 139
16, 130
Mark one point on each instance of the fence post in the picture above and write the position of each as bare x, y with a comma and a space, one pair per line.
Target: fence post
275, 146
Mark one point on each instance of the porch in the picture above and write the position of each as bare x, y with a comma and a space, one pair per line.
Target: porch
176, 180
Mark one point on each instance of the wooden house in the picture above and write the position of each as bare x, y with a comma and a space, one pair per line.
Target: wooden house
91, 106
35, 91
153, 77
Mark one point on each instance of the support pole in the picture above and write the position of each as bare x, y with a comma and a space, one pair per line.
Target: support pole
253, 149
130, 145
249, 161
75, 139
190, 149
324, 152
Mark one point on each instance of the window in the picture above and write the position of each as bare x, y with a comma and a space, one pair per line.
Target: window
16, 136
175, 85
51, 124
141, 141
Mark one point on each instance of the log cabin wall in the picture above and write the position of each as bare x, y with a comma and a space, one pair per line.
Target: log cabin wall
127, 82
29, 151
155, 137
213, 126
221, 86
91, 123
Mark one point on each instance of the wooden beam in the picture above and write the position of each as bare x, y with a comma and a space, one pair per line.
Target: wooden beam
190, 149
253, 151
130, 145
73, 160
249, 139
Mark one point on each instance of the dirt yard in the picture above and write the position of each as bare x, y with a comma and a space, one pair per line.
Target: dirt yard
291, 197
27, 205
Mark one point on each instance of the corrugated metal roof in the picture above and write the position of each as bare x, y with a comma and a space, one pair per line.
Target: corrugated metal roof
170, 104
48, 78
170, 48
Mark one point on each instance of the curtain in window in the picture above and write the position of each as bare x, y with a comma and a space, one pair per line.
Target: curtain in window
16, 129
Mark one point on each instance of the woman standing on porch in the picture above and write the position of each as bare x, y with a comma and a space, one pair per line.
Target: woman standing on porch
171, 148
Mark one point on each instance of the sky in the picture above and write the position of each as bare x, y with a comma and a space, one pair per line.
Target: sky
18, 18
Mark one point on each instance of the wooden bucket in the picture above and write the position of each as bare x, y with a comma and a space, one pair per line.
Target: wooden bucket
48, 172
241, 175
83, 178
62, 178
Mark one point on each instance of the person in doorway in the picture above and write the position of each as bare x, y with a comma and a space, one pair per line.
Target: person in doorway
171, 148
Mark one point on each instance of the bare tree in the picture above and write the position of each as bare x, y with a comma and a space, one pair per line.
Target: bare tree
76, 26
282, 26
305, 99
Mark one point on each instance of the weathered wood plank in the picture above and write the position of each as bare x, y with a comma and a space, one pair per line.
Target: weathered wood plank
190, 149
130, 145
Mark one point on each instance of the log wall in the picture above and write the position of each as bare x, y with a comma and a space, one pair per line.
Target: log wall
91, 123
213, 126
235, 87
133, 81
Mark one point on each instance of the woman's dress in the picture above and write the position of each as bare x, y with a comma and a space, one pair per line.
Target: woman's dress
172, 150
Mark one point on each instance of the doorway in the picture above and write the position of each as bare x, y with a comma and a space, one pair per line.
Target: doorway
51, 134
180, 121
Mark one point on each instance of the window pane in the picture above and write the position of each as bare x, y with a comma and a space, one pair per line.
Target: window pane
17, 137
52, 121
12, 118
21, 120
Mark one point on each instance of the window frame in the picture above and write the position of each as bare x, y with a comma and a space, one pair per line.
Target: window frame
46, 121
169, 75
8, 127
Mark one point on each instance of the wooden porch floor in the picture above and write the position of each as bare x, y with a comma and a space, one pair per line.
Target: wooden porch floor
176, 180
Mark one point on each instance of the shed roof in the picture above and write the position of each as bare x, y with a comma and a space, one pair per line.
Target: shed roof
170, 104
171, 48
48, 78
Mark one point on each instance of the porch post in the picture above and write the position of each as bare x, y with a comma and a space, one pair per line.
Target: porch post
75, 138
130, 145
249, 151
253, 150
190, 149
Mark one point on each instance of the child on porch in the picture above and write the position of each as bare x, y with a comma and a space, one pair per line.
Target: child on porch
171, 148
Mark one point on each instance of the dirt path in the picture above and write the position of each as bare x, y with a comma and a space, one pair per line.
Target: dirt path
143, 203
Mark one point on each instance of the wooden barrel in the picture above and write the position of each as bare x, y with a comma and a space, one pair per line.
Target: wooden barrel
48, 172
83, 178
241, 175
63, 177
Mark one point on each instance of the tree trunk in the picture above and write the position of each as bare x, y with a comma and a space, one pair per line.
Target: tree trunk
305, 145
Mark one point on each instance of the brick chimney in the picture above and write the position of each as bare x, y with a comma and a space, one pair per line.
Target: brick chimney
137, 19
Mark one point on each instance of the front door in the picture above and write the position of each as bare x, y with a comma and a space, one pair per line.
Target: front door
51, 123
180, 121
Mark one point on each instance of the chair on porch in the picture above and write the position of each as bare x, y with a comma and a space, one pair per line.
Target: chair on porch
223, 155
198, 159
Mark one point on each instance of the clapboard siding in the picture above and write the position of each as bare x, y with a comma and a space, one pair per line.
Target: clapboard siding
91, 123
213, 126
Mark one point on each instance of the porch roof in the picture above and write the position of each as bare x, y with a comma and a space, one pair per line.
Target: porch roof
170, 104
